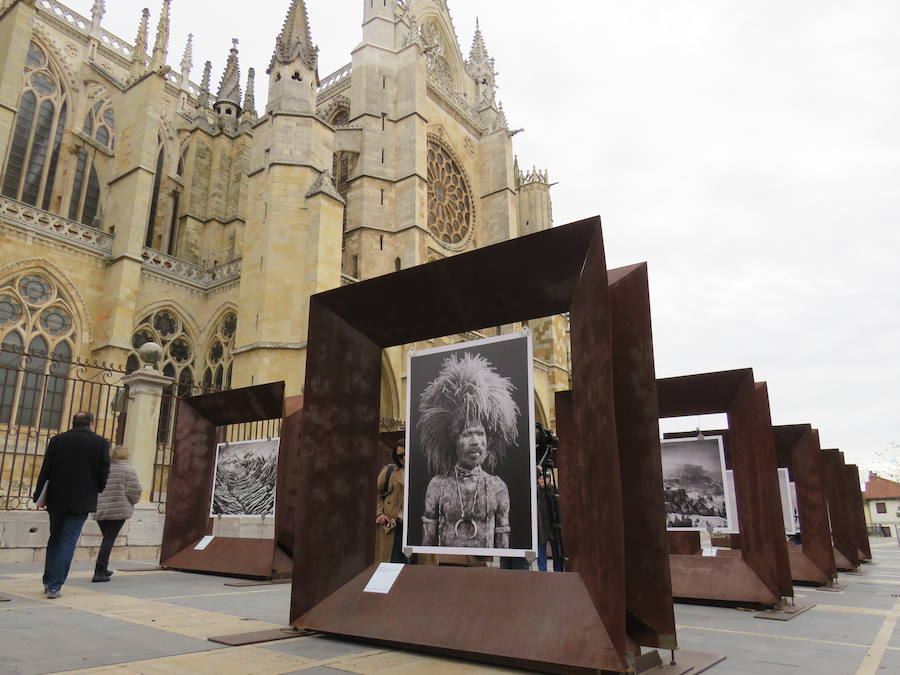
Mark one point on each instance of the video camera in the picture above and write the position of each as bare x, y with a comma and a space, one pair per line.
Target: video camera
546, 444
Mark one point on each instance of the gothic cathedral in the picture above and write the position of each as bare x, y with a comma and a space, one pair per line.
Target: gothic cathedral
137, 205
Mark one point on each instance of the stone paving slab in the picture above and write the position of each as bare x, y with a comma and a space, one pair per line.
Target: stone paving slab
156, 622
49, 639
268, 605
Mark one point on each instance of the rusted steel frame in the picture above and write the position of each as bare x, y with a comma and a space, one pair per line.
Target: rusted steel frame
198, 426
648, 585
839, 507
752, 457
290, 480
798, 451
767, 465
858, 511
505, 283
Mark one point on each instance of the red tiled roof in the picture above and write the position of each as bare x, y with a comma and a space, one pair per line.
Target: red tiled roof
881, 488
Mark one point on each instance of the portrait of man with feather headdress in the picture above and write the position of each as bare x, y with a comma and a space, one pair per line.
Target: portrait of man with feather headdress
467, 422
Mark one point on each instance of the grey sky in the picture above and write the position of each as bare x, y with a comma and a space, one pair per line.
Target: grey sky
749, 151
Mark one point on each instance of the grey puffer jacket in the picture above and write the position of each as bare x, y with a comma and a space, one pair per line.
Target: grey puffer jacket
123, 491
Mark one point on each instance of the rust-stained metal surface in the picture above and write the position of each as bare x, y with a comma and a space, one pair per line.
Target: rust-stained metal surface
726, 577
234, 556
797, 447
191, 480
684, 543
840, 509
648, 586
236, 406
290, 476
751, 454
858, 512
550, 272
770, 490
565, 636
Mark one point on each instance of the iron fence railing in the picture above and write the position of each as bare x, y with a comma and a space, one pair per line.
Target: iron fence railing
39, 393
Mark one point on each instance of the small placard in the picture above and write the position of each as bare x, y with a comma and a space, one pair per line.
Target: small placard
203, 543
709, 552
383, 578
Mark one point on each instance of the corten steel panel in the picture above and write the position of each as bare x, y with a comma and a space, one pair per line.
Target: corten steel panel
290, 478
561, 638
752, 457
197, 425
558, 270
767, 465
798, 450
857, 511
648, 586
235, 556
248, 404
684, 543
724, 578
188, 487
803, 570
839, 507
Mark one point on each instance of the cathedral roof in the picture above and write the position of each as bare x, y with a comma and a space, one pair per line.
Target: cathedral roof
324, 185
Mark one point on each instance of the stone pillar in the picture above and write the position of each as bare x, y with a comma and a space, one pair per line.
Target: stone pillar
145, 388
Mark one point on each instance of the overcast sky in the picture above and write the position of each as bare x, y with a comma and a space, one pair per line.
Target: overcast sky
748, 151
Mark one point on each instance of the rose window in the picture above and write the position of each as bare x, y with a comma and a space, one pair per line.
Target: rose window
35, 289
449, 197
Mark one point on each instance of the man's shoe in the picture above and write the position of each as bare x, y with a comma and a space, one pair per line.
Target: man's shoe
53, 595
99, 576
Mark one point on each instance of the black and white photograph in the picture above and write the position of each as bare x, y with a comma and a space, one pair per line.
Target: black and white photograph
694, 484
244, 480
470, 449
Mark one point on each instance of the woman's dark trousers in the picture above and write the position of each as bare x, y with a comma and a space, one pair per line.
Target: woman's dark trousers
110, 530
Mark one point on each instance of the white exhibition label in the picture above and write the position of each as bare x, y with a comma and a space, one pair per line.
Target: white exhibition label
709, 552
383, 579
203, 543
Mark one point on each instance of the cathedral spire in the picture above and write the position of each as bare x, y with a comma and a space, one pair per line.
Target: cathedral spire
230, 86
249, 95
161, 46
480, 67
294, 40
187, 60
203, 99
140, 45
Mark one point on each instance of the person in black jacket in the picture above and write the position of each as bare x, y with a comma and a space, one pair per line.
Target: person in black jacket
74, 472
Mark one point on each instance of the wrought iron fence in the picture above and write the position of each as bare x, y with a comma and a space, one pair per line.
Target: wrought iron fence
39, 393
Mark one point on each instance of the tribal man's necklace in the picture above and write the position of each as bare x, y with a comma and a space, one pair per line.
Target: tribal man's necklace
470, 520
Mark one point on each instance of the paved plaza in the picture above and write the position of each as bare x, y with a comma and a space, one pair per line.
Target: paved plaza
159, 621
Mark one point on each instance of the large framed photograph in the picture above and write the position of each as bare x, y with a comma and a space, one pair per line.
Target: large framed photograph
470, 449
788, 501
245, 477
694, 484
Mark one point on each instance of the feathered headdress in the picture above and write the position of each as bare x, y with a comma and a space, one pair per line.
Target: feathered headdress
467, 390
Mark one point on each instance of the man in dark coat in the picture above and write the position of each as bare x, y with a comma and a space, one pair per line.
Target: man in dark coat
75, 469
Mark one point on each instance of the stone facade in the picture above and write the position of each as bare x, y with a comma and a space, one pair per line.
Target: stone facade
174, 211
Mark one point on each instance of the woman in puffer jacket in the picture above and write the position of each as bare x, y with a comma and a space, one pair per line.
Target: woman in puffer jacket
115, 505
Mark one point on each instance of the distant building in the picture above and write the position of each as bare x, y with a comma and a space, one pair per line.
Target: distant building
882, 498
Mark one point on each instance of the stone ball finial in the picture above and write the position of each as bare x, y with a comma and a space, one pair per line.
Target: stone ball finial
150, 354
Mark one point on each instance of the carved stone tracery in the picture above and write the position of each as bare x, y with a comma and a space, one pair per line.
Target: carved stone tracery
451, 212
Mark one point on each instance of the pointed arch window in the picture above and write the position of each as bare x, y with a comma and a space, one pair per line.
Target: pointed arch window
154, 200
33, 155
219, 355
166, 328
99, 124
37, 331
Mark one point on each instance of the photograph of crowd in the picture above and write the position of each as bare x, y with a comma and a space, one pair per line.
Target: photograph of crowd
244, 480
694, 483
470, 455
